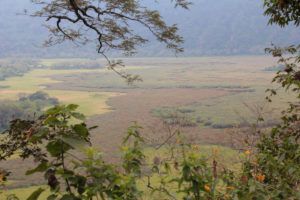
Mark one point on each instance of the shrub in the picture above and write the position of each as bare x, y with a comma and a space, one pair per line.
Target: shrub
221, 126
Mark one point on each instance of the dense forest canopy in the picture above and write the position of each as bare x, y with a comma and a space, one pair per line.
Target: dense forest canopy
229, 27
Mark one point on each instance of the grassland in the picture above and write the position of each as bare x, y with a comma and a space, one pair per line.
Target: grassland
91, 103
182, 73
239, 109
213, 89
225, 157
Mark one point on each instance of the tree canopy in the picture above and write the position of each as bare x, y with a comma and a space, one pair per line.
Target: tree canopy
107, 23
283, 12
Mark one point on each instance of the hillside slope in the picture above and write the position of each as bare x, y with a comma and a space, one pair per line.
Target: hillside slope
227, 27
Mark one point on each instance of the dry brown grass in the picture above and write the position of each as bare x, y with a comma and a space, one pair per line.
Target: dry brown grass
136, 105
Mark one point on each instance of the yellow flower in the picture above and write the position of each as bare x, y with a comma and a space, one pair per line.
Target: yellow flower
260, 177
247, 152
207, 188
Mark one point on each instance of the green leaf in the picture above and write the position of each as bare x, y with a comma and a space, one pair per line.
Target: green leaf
54, 110
81, 181
66, 174
69, 197
252, 188
186, 172
40, 168
52, 197
55, 148
167, 167
52, 121
12, 197
77, 115
81, 130
35, 195
42, 133
72, 107
73, 142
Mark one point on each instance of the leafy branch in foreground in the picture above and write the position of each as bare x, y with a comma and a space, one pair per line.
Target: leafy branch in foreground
109, 24
282, 12
55, 140
110, 21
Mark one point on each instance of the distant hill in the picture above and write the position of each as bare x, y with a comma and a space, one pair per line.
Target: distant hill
226, 27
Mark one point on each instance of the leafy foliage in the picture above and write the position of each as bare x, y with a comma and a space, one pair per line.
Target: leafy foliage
277, 161
50, 141
283, 12
111, 22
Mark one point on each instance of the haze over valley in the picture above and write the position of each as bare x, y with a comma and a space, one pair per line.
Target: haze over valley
105, 120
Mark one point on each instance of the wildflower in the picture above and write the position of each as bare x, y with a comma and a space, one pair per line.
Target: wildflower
206, 188
247, 152
260, 177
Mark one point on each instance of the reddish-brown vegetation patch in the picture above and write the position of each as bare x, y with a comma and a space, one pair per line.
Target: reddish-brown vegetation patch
136, 106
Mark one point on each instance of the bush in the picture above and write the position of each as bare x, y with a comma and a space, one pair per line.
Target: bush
208, 123
221, 126
186, 110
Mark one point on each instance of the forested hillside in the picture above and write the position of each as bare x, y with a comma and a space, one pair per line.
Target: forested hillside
229, 27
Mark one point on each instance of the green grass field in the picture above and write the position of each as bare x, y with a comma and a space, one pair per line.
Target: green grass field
199, 72
225, 156
91, 103
230, 110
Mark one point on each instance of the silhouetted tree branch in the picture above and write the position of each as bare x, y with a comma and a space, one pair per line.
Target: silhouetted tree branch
111, 24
